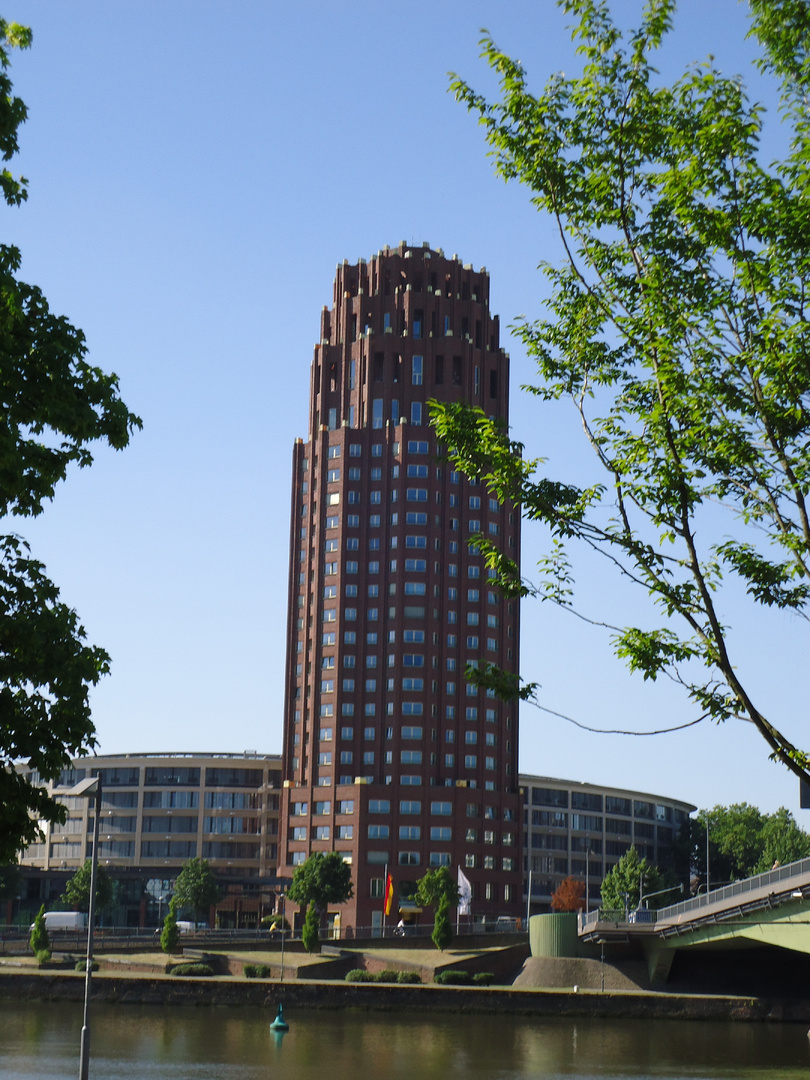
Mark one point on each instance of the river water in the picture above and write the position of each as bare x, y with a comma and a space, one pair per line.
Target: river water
205, 1043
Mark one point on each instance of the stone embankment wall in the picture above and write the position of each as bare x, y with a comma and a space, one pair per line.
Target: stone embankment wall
340, 995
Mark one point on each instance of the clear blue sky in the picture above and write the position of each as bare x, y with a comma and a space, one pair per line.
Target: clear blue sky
197, 170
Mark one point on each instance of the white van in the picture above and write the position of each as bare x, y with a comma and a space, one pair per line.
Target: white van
64, 920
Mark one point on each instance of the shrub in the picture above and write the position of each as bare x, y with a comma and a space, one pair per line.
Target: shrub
358, 975
310, 935
454, 978
39, 940
442, 928
192, 969
170, 934
257, 971
43, 956
484, 978
386, 976
409, 977
81, 965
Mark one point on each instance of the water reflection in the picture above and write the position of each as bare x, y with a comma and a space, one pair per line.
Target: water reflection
195, 1043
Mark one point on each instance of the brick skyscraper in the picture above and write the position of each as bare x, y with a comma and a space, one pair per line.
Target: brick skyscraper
389, 756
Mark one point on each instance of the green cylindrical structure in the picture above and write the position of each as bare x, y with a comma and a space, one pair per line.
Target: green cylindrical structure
553, 935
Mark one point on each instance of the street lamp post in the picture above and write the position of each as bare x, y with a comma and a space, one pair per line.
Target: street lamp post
87, 788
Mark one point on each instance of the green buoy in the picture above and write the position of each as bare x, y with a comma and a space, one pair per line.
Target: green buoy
280, 1024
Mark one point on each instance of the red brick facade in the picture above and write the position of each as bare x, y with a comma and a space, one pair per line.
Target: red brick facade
389, 756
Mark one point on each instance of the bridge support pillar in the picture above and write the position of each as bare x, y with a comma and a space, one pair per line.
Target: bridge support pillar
659, 959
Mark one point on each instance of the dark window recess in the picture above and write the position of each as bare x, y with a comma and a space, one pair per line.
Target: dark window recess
173, 777
353, 328
387, 283
397, 367
418, 322
333, 376
465, 290
439, 370
465, 326
403, 325
477, 341
418, 285
233, 777
456, 371
377, 369
493, 384
433, 281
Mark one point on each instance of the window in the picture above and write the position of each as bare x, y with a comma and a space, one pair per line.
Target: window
413, 636
470, 761
323, 808
441, 832
379, 806
415, 588
413, 684
415, 517
410, 806
439, 858
410, 757
349, 660
410, 832
378, 832
415, 541
416, 494
351, 567
409, 858
332, 476
417, 366
441, 809
413, 660
415, 566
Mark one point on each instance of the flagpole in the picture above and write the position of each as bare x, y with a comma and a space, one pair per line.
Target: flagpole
385, 897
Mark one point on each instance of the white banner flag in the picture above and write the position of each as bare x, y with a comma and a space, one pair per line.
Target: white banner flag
465, 893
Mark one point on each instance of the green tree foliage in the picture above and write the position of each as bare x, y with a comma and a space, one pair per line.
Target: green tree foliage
744, 841
39, 940
442, 933
678, 331
10, 881
170, 934
77, 890
310, 933
625, 880
196, 887
437, 889
53, 407
323, 879
569, 895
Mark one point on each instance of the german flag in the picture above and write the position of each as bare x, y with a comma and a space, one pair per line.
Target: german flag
389, 895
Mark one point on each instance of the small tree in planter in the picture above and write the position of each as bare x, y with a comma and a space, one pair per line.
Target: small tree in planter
170, 934
39, 941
